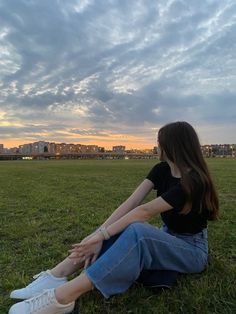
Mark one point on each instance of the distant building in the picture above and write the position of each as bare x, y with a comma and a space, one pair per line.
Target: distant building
1, 148
63, 148
101, 149
60, 148
118, 149
221, 150
52, 148
147, 151
39, 147
25, 149
133, 151
13, 150
92, 148
71, 148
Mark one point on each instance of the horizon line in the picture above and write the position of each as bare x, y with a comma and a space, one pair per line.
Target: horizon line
127, 147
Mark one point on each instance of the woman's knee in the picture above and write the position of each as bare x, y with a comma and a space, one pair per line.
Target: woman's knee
137, 227
145, 230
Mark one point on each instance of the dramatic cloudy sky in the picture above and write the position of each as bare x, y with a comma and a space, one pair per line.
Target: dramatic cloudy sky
113, 71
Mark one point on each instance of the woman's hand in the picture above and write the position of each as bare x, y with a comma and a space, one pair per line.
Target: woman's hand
88, 249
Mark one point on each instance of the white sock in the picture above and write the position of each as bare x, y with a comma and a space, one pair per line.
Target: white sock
59, 304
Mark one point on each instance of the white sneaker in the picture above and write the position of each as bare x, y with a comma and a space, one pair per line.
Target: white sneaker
44, 280
44, 303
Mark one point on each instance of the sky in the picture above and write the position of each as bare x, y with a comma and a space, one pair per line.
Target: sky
112, 72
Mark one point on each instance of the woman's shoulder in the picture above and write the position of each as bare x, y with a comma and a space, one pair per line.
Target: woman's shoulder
158, 171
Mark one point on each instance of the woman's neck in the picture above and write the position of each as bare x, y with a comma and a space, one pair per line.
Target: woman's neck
175, 172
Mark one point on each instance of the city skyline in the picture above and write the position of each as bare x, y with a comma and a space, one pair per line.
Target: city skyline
113, 72
70, 143
51, 150
129, 146
100, 146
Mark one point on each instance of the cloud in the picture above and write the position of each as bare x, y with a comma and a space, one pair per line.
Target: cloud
95, 68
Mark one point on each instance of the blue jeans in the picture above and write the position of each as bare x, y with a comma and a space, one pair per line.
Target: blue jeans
143, 246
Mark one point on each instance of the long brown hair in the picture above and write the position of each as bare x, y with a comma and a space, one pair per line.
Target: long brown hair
179, 142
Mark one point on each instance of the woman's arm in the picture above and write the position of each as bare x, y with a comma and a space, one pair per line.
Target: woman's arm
133, 201
141, 213
88, 248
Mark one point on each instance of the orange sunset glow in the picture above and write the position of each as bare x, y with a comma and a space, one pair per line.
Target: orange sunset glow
106, 144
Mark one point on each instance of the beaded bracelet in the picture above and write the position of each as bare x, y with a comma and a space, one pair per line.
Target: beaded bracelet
105, 233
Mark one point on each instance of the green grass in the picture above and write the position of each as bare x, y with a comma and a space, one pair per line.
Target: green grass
46, 206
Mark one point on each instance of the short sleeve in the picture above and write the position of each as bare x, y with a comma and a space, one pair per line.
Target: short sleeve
175, 196
152, 176
157, 173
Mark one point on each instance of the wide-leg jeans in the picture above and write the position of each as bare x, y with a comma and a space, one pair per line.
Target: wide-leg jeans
143, 246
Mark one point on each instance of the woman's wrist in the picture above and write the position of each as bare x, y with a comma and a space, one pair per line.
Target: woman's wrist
104, 233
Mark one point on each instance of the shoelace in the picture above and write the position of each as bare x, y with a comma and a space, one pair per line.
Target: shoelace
44, 299
39, 274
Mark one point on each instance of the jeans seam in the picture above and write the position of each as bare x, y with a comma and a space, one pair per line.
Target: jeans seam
118, 263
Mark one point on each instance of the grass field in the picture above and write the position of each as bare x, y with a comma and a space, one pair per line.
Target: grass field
46, 206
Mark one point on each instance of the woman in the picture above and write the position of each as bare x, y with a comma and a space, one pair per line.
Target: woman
186, 199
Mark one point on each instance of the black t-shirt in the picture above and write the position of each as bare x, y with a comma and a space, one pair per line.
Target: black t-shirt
169, 188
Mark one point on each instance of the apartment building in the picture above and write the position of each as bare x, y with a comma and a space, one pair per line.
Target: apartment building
118, 149
219, 150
